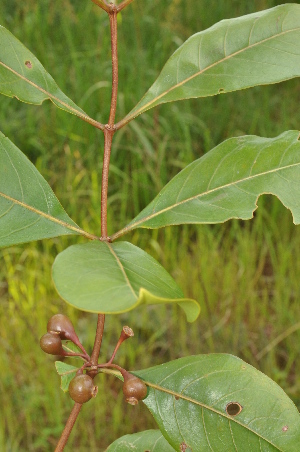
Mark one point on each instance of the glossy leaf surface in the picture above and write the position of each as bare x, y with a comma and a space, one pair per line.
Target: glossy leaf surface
257, 49
226, 182
23, 76
149, 440
219, 403
29, 210
113, 278
66, 372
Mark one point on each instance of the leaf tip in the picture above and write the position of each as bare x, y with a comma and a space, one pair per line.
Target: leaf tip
191, 307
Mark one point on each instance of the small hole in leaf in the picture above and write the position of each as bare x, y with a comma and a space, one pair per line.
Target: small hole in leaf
233, 408
28, 64
285, 428
221, 90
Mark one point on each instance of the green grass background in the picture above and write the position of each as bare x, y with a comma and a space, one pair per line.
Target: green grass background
246, 275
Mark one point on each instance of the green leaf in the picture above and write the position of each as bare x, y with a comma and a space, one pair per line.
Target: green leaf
66, 372
257, 49
149, 440
114, 278
196, 402
29, 210
226, 182
23, 76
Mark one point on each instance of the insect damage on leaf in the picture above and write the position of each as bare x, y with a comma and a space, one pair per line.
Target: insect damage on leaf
184, 448
233, 408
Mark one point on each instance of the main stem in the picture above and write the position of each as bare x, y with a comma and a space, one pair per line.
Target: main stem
68, 427
109, 131
109, 128
98, 340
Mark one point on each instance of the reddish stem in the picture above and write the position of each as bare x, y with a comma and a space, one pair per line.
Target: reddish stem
102, 4
108, 136
123, 5
114, 366
77, 342
109, 128
125, 334
84, 356
114, 59
98, 339
108, 7
68, 427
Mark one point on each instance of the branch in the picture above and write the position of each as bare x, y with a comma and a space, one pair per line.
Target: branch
123, 4
103, 5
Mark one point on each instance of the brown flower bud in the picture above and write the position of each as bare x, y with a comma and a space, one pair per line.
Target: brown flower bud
51, 343
82, 388
134, 389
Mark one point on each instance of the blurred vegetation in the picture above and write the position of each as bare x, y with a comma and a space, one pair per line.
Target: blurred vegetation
246, 275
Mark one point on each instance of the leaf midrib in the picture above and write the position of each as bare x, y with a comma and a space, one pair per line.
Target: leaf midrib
153, 215
51, 97
148, 105
49, 217
120, 265
202, 405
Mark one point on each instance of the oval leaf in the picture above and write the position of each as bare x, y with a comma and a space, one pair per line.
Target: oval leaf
234, 54
220, 403
23, 76
149, 440
226, 182
113, 278
29, 210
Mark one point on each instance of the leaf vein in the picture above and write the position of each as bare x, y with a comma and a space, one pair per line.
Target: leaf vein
122, 269
232, 437
167, 91
205, 431
54, 98
249, 178
15, 169
49, 217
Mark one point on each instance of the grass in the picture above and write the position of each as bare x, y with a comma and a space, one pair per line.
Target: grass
246, 275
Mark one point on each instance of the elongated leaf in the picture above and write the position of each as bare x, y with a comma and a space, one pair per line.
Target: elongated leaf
67, 373
234, 54
23, 76
113, 278
29, 210
217, 403
226, 183
149, 440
